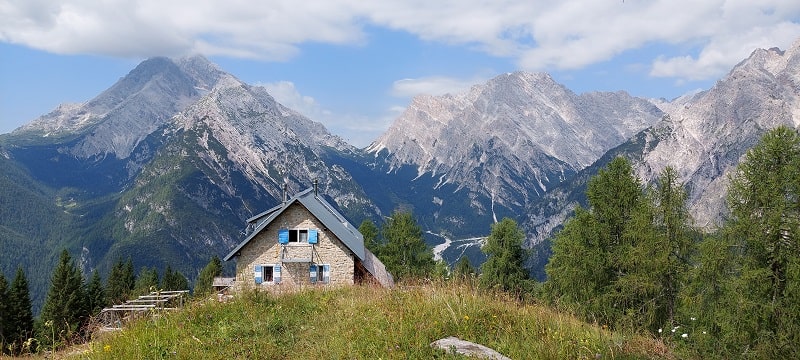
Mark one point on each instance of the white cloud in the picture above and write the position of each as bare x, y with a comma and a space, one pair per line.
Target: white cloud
539, 34
723, 51
358, 130
434, 85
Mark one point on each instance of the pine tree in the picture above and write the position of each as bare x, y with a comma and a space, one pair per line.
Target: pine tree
146, 282
95, 295
120, 282
463, 269
205, 280
405, 253
592, 251
653, 260
504, 268
20, 315
129, 275
4, 327
370, 233
174, 280
674, 245
757, 305
64, 309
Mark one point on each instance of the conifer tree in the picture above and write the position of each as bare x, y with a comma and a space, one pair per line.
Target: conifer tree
655, 258
755, 308
463, 269
95, 295
370, 233
129, 275
205, 280
120, 282
504, 268
405, 253
174, 280
64, 308
589, 252
3, 311
146, 282
20, 315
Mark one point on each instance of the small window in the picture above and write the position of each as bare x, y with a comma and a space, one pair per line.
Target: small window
298, 235
268, 273
320, 274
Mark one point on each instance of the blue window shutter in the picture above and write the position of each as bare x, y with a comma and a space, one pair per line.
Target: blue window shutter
276, 277
313, 273
326, 274
283, 236
257, 273
312, 236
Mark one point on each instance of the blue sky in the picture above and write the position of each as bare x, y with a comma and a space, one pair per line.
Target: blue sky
354, 65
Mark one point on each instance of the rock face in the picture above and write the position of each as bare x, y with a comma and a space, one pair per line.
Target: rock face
117, 120
513, 137
705, 136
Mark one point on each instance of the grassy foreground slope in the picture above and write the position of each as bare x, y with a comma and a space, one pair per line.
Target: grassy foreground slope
367, 323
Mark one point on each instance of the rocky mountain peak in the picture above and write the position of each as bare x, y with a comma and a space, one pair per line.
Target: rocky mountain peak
707, 135
513, 137
120, 117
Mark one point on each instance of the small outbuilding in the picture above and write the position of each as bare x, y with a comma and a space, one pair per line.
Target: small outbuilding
304, 241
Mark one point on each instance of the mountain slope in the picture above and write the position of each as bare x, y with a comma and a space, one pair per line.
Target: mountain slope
705, 136
166, 167
495, 150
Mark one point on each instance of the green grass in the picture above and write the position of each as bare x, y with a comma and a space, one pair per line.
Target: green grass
366, 323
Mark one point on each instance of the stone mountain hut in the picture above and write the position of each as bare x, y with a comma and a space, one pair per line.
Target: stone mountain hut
304, 242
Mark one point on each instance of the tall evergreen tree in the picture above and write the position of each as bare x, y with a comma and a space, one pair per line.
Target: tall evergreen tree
758, 307
371, 234
463, 269
504, 268
654, 260
205, 280
129, 275
4, 327
587, 254
674, 245
146, 282
95, 294
64, 309
20, 315
120, 282
174, 280
405, 253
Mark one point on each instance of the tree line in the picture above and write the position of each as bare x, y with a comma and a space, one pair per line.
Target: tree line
401, 247
72, 300
633, 259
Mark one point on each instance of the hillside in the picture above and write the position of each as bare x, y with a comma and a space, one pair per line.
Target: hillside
368, 323
166, 165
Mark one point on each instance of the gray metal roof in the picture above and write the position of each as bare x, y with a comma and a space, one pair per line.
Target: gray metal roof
322, 210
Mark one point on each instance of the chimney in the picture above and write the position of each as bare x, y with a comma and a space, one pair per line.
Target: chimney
316, 186
285, 190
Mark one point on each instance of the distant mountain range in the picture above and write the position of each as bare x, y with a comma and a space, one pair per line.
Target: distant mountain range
165, 166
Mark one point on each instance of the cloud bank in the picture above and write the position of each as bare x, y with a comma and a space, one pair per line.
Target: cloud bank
538, 35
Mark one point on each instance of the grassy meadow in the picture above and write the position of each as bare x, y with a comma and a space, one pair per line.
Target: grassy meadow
365, 322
